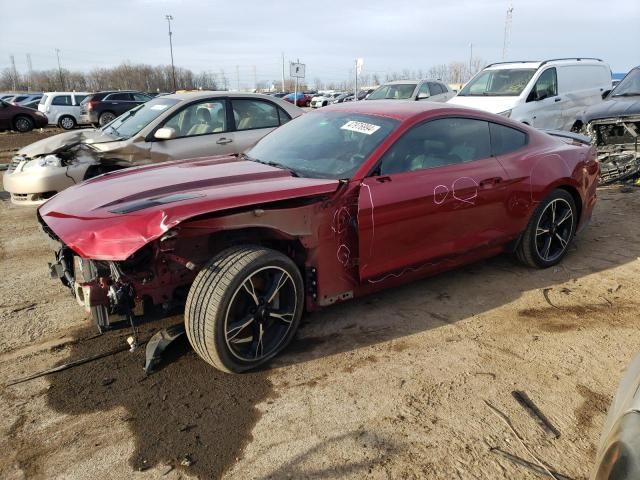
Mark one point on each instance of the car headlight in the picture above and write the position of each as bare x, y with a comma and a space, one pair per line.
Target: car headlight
506, 113
49, 161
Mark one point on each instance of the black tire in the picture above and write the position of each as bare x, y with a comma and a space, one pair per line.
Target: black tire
106, 117
67, 122
23, 124
99, 314
218, 296
550, 231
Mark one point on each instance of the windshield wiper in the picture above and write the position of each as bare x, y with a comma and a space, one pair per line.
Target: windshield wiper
293, 173
626, 94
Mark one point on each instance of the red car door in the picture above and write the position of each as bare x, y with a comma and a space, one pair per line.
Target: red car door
436, 192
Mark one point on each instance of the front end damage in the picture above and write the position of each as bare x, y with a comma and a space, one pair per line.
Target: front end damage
616, 140
31, 180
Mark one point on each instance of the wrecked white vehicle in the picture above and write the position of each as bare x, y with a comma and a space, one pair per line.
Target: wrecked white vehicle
614, 126
179, 126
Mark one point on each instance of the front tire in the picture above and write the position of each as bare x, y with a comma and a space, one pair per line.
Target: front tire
244, 307
23, 124
100, 313
67, 122
550, 231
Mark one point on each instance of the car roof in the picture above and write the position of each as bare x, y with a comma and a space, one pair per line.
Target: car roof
538, 63
195, 95
398, 109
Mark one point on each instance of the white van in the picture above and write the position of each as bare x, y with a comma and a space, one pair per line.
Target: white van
545, 94
62, 108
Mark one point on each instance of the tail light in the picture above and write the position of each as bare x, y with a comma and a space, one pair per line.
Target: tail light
91, 105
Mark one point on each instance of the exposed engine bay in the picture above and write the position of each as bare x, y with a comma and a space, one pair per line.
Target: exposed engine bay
616, 140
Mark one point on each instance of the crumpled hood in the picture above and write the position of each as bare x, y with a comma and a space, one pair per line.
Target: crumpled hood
488, 104
111, 216
51, 144
612, 108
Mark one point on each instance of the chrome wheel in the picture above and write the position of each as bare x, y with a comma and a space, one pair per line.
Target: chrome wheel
67, 123
554, 230
260, 314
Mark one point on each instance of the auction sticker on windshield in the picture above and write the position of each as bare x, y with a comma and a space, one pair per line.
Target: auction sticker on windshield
360, 127
159, 107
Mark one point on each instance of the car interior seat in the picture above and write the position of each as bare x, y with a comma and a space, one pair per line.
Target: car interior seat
203, 123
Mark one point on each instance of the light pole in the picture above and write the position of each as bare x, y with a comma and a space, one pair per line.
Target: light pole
173, 68
60, 69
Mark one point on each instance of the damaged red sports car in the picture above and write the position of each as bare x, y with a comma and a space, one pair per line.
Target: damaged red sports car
333, 205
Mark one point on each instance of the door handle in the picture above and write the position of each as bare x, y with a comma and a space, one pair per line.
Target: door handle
383, 179
557, 99
490, 182
223, 141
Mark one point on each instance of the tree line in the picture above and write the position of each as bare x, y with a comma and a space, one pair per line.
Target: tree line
126, 76
159, 78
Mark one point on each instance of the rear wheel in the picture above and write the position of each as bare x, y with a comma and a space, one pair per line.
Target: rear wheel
244, 307
23, 124
106, 117
550, 231
67, 122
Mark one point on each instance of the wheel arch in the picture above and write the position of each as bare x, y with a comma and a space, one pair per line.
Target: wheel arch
577, 199
264, 236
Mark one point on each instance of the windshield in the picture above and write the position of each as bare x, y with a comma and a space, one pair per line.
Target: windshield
131, 122
496, 83
323, 144
398, 91
629, 85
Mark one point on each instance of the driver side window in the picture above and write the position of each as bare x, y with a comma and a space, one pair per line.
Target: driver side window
446, 141
545, 87
200, 118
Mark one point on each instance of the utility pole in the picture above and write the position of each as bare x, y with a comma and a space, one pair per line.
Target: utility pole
173, 68
30, 70
507, 31
60, 69
255, 79
237, 78
470, 60
282, 90
14, 72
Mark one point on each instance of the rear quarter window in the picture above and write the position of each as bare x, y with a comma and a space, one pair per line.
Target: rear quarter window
505, 140
61, 100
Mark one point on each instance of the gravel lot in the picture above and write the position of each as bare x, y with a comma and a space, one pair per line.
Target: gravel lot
11, 142
390, 386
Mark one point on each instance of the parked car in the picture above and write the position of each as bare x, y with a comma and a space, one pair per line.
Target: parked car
21, 119
98, 109
322, 100
341, 98
32, 104
546, 94
62, 108
169, 127
301, 99
614, 126
336, 204
20, 98
432, 90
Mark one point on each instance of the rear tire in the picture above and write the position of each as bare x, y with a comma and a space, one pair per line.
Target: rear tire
244, 307
23, 124
106, 117
550, 231
67, 122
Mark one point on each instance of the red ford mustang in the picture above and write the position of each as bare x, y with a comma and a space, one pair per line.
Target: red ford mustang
333, 205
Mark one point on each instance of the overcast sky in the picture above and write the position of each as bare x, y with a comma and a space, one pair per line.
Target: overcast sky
390, 35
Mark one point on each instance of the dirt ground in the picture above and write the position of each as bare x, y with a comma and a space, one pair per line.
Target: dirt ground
389, 386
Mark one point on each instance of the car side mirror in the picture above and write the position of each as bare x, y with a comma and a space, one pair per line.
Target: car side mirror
605, 94
422, 96
165, 133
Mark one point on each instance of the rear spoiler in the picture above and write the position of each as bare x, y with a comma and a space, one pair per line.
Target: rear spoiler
573, 136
